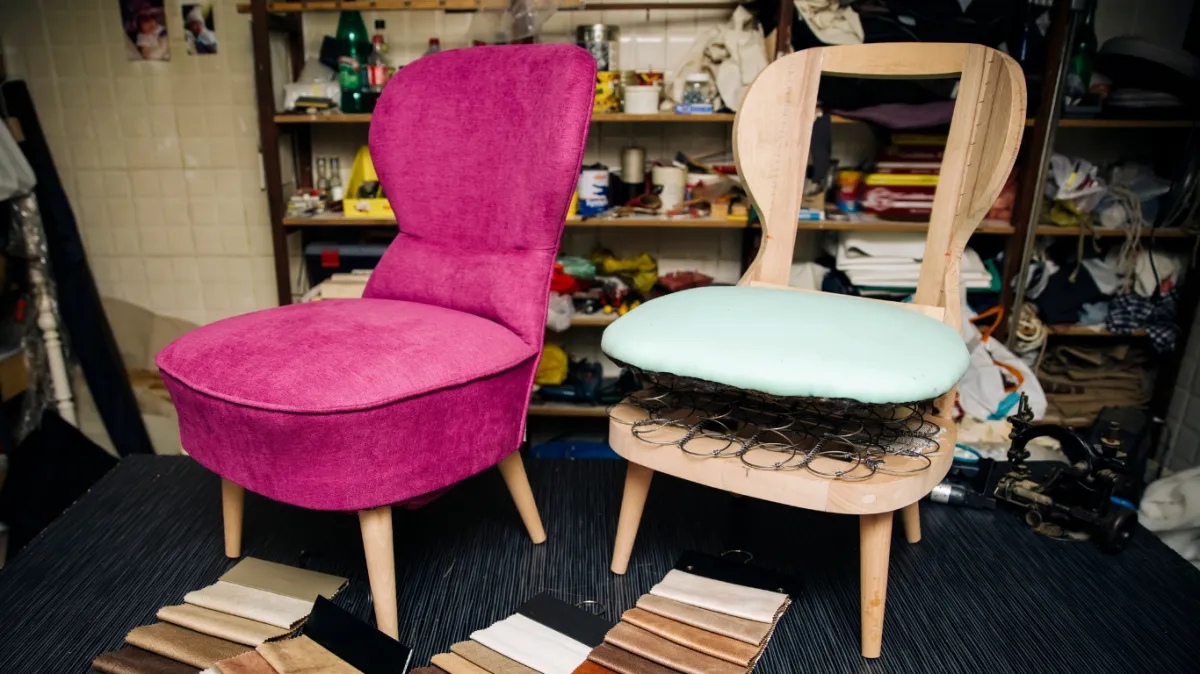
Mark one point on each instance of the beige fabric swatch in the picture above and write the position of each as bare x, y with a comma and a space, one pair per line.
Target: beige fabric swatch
221, 625
667, 653
488, 659
184, 645
282, 579
250, 662
303, 656
716, 595
456, 664
251, 603
748, 631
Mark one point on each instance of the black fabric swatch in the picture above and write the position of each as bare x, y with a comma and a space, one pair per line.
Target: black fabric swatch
732, 571
360, 645
558, 615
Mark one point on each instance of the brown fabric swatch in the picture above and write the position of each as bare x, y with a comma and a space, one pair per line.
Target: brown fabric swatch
624, 662
303, 656
590, 667
456, 664
133, 660
754, 633
667, 653
249, 662
182, 644
221, 625
427, 670
282, 579
729, 650
488, 659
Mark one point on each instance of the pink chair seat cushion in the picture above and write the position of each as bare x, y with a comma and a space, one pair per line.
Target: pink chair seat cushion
340, 355
349, 404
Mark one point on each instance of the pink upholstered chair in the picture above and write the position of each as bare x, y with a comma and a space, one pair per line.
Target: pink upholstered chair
357, 405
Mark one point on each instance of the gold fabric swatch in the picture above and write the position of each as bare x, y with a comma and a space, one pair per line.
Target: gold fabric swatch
456, 664
303, 656
179, 643
251, 603
748, 631
716, 645
289, 581
133, 660
667, 653
221, 625
624, 662
246, 663
488, 659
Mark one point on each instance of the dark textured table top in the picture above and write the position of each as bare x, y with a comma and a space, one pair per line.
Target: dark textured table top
980, 593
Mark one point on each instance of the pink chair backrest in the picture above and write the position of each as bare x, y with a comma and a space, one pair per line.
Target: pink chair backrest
478, 151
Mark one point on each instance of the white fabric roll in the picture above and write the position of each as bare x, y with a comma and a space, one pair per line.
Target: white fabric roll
716, 595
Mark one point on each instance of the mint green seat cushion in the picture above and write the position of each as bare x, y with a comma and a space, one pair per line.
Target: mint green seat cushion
789, 343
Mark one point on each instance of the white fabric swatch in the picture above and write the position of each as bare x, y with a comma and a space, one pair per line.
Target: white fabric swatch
211, 670
534, 645
248, 602
717, 595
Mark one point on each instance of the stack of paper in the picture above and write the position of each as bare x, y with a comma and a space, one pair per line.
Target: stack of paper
893, 260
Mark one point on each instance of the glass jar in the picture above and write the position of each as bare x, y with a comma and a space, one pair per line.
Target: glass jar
696, 90
603, 42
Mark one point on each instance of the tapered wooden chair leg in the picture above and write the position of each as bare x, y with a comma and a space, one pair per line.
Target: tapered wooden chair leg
911, 515
513, 472
875, 540
633, 501
376, 527
233, 505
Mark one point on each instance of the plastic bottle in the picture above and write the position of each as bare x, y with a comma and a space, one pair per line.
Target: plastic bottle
353, 51
435, 46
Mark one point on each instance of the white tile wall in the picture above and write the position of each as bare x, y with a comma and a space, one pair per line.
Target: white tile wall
159, 159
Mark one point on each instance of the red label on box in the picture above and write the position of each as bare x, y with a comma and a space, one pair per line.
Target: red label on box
331, 258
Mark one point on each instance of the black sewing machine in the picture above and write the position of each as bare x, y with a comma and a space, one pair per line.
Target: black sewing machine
1092, 497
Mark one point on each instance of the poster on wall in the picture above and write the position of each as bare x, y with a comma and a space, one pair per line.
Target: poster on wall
198, 27
145, 25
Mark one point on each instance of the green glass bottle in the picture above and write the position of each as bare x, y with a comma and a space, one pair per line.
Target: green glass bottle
1083, 54
354, 48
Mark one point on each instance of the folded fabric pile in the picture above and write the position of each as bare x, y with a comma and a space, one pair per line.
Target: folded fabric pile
891, 261
253, 604
692, 624
1081, 381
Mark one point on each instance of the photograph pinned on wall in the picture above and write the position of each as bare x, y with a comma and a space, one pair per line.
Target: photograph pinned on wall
198, 27
145, 24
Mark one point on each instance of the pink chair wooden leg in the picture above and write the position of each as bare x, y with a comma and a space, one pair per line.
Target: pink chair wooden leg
376, 527
233, 504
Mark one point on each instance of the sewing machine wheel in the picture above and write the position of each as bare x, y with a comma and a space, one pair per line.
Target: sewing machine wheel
1114, 531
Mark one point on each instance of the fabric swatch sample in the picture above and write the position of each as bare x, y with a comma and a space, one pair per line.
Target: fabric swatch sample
221, 625
455, 664
179, 643
428, 670
558, 615
303, 656
488, 659
250, 662
590, 667
357, 643
251, 603
624, 662
748, 631
738, 573
211, 670
715, 595
721, 647
668, 653
290, 581
133, 660
533, 644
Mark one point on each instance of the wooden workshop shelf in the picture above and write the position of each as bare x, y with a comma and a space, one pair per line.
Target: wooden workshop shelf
598, 320
657, 221
388, 5
876, 225
544, 409
1076, 330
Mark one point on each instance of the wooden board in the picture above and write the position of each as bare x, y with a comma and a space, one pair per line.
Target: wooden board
392, 5
797, 488
540, 409
1075, 330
